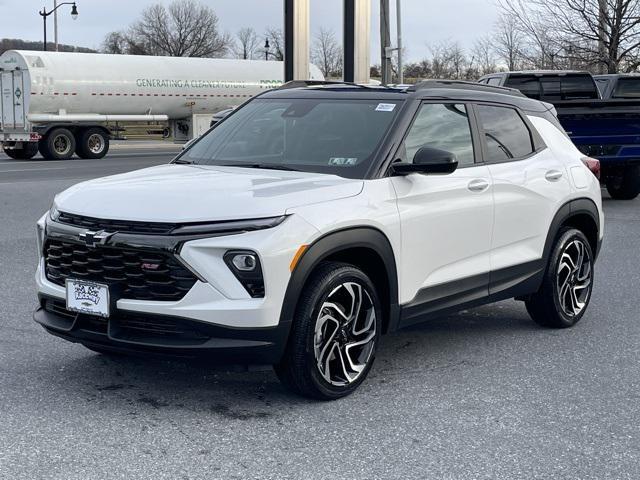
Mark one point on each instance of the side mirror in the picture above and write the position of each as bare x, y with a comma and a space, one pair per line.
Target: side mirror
428, 160
188, 144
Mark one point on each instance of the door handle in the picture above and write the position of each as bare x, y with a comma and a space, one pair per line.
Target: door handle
553, 175
478, 185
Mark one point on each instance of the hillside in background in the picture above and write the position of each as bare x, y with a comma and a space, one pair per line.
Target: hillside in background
17, 44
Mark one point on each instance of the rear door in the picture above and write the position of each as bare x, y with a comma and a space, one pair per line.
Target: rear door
446, 220
12, 93
6, 105
529, 183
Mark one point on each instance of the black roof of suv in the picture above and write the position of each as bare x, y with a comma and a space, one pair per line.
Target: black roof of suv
426, 90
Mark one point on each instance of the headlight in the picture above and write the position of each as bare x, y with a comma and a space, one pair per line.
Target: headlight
40, 229
245, 265
54, 213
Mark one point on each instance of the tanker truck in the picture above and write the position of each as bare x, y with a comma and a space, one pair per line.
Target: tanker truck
60, 103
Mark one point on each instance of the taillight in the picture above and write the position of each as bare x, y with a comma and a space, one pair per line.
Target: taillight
593, 165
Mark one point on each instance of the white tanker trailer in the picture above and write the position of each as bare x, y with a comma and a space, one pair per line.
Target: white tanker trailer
59, 103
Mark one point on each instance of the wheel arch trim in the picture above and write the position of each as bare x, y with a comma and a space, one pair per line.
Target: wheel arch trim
573, 208
332, 243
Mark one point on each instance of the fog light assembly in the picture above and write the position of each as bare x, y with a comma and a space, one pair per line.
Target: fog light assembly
245, 265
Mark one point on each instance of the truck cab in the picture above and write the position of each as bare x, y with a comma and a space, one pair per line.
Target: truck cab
548, 86
619, 86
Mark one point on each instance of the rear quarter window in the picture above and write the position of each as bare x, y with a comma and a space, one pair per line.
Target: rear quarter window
506, 135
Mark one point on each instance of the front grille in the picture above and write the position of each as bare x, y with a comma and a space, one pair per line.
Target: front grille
124, 226
134, 274
132, 326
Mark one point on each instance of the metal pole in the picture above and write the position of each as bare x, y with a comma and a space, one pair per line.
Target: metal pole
55, 24
385, 64
44, 21
296, 40
399, 27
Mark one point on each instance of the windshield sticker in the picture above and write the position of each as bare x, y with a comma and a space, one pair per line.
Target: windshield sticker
385, 107
343, 161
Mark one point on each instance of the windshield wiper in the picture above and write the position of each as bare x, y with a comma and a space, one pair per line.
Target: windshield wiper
179, 161
266, 166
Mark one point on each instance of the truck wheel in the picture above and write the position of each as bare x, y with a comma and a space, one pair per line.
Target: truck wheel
627, 187
92, 143
27, 152
58, 144
334, 334
568, 281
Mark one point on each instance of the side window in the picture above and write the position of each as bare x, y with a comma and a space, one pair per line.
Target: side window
443, 126
506, 135
495, 81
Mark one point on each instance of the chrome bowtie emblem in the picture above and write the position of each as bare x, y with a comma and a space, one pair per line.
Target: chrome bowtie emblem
92, 239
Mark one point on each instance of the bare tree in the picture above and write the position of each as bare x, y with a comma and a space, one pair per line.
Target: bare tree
449, 61
484, 55
115, 42
276, 44
418, 70
246, 43
326, 53
508, 42
603, 33
183, 29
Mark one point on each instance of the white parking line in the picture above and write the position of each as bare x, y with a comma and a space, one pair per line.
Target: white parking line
32, 169
115, 155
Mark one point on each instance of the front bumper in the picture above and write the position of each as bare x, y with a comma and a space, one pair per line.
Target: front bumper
162, 335
217, 318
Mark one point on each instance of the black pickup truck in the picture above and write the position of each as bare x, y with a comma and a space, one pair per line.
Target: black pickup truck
602, 119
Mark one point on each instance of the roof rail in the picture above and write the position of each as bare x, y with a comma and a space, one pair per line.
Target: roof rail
329, 83
464, 85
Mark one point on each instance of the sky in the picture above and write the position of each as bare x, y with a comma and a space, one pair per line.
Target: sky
425, 22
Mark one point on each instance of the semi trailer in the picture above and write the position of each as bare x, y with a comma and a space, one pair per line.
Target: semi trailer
60, 103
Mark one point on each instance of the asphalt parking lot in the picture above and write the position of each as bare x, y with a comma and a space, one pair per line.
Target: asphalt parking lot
484, 394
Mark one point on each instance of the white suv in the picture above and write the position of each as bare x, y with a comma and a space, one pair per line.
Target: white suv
313, 219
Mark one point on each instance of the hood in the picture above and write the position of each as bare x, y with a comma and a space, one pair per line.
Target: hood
197, 193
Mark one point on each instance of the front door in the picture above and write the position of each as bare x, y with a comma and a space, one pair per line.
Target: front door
446, 220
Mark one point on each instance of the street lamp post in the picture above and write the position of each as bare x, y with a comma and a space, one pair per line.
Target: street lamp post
44, 14
266, 49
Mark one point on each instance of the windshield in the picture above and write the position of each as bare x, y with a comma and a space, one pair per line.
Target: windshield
315, 135
627, 88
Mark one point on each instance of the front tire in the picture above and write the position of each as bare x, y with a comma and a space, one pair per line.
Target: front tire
27, 152
568, 282
58, 144
628, 186
334, 335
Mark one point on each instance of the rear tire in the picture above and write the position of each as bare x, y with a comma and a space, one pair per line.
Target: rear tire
27, 152
334, 335
566, 289
92, 143
58, 144
628, 186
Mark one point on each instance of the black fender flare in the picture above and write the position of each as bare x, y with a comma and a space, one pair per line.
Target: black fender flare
570, 209
332, 243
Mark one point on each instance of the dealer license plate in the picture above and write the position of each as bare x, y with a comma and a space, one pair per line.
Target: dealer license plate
88, 297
